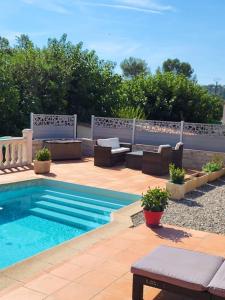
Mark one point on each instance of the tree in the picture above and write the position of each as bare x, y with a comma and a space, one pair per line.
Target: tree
4, 45
171, 97
23, 42
133, 67
177, 67
63, 78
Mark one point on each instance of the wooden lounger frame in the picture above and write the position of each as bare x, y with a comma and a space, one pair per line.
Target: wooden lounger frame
140, 281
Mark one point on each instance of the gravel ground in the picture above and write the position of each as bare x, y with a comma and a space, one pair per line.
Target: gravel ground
202, 209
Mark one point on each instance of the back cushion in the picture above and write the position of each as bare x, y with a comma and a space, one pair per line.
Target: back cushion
162, 147
112, 142
178, 145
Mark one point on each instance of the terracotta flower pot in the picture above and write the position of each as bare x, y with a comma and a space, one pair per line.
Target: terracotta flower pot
42, 167
152, 218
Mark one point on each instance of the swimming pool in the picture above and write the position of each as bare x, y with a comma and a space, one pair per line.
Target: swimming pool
39, 214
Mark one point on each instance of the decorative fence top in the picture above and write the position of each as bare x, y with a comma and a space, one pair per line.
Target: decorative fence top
53, 120
158, 126
116, 123
204, 129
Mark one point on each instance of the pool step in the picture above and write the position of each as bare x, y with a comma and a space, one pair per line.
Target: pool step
80, 213
66, 219
77, 204
80, 198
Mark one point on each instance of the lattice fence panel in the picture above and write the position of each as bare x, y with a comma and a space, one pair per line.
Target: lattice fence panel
53, 126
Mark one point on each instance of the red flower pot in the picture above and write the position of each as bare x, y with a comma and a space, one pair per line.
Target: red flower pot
152, 218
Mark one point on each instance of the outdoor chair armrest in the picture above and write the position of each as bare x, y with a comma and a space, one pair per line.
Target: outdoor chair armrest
126, 145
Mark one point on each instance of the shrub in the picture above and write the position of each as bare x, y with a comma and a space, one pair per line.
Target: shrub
213, 166
43, 155
130, 112
155, 200
176, 174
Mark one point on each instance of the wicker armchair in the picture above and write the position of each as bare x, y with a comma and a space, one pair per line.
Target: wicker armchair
157, 163
108, 156
177, 155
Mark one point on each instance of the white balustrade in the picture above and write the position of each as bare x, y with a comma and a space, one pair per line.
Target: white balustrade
16, 151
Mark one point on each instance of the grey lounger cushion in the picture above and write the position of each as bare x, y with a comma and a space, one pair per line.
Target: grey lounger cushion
179, 267
217, 285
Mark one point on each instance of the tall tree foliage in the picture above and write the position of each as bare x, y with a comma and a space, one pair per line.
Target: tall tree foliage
133, 67
66, 79
177, 67
167, 96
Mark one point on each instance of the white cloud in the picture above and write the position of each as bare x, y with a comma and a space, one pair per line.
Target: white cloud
146, 6
61, 6
49, 5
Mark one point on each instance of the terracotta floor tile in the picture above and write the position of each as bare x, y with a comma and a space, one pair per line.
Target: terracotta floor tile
114, 268
74, 291
23, 294
118, 243
126, 257
106, 296
120, 288
97, 279
103, 251
47, 284
69, 271
86, 260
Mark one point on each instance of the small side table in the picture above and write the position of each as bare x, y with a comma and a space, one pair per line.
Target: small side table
134, 160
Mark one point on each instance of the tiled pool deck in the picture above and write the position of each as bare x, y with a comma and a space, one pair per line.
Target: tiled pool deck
97, 266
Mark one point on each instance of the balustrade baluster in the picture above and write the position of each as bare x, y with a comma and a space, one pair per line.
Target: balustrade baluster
13, 155
1, 156
7, 155
20, 154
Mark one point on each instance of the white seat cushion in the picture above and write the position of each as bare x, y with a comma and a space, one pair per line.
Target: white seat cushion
163, 146
112, 142
178, 145
120, 150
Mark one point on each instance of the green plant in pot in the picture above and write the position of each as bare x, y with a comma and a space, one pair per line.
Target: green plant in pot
42, 162
177, 175
154, 203
175, 186
212, 166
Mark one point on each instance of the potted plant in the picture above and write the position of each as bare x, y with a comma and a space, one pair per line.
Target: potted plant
42, 161
154, 203
176, 185
214, 169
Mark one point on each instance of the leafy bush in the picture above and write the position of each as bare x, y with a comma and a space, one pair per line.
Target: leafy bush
155, 200
176, 174
131, 113
213, 166
43, 155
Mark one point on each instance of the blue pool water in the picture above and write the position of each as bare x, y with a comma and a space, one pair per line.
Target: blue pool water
38, 214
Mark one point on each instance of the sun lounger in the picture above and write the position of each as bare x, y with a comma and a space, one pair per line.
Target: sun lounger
184, 272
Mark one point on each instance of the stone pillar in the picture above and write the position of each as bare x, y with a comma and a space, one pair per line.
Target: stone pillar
28, 136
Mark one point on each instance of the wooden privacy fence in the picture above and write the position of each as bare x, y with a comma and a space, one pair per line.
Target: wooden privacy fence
53, 126
198, 136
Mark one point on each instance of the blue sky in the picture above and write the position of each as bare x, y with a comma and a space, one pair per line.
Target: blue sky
191, 30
